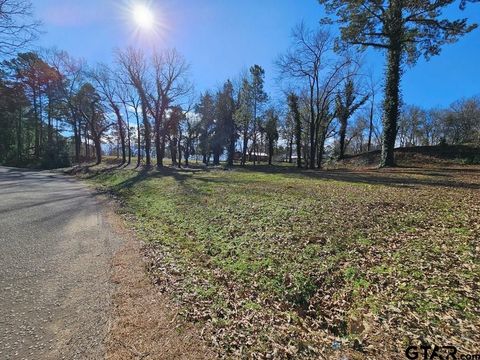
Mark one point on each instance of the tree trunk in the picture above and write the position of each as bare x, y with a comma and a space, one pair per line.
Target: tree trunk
216, 158
49, 126
173, 151
37, 126
299, 148
231, 150
370, 128
87, 155
139, 141
391, 106
147, 136
392, 86
342, 133
313, 128
298, 132
75, 139
98, 149
244, 149
322, 133
188, 145
179, 146
158, 146
129, 143
40, 122
270, 152
254, 140
121, 131
163, 142
290, 150
19, 136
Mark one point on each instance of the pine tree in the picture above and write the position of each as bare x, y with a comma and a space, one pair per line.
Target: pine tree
405, 30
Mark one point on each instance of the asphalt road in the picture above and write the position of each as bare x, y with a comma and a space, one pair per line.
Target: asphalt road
55, 251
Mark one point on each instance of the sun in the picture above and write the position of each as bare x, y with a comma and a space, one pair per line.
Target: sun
144, 17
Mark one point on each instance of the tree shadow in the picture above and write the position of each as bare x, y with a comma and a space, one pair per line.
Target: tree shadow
396, 177
399, 177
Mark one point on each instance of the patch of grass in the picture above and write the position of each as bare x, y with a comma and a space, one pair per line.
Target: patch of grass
281, 259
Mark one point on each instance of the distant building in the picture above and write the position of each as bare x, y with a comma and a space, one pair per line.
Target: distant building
258, 157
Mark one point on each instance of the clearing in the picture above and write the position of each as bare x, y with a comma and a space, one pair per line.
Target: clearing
272, 261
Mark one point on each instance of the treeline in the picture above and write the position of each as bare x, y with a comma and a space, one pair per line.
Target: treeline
55, 109
457, 124
33, 113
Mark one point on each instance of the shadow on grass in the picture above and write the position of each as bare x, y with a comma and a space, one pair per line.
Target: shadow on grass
396, 177
400, 177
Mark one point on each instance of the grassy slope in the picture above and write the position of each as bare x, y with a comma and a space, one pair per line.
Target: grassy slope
291, 263
420, 155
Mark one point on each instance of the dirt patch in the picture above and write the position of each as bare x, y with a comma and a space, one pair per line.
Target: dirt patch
144, 322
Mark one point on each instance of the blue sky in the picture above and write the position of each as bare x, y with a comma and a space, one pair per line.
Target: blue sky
219, 38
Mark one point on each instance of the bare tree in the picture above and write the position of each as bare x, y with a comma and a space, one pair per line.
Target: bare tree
171, 85
107, 86
311, 61
134, 64
17, 26
131, 105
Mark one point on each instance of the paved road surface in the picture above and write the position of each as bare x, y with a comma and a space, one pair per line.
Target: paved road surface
55, 248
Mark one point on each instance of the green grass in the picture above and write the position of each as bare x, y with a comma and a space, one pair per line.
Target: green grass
286, 262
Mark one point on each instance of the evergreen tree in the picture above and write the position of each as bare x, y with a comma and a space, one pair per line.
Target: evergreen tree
206, 110
405, 30
243, 116
226, 134
259, 97
346, 105
293, 104
271, 132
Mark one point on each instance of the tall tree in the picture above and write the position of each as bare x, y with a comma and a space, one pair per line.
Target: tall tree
174, 120
206, 110
131, 103
259, 97
293, 105
346, 105
108, 88
90, 107
271, 131
134, 65
191, 135
14, 124
243, 116
226, 135
72, 71
37, 76
311, 62
405, 30
171, 84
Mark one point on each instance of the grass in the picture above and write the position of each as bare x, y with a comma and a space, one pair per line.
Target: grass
292, 264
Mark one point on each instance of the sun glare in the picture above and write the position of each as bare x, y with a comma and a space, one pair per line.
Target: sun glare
144, 17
